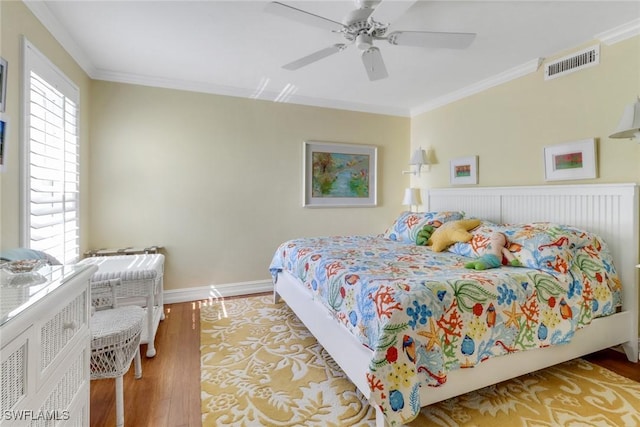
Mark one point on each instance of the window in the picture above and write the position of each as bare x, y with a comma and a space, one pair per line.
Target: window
50, 159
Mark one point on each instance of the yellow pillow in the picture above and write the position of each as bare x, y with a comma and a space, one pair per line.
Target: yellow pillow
451, 232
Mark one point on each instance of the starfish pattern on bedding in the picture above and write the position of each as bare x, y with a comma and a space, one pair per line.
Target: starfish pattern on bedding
512, 316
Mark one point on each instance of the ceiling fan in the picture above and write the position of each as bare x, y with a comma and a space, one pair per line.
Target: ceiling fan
361, 28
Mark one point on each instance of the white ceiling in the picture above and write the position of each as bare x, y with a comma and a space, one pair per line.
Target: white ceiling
236, 48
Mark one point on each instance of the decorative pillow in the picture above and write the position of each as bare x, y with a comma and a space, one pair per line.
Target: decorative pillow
544, 246
406, 227
451, 232
24, 253
478, 242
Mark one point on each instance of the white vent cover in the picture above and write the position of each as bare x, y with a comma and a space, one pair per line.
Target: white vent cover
576, 61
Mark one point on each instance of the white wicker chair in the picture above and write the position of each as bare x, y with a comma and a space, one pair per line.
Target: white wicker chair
115, 339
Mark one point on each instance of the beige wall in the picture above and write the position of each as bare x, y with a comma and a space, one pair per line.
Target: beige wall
16, 20
217, 180
509, 125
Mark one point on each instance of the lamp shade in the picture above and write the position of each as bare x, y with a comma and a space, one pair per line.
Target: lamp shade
419, 157
629, 126
412, 197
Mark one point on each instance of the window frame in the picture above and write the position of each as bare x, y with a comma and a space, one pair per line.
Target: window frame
35, 61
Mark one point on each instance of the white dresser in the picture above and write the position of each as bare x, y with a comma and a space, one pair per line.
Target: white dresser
45, 347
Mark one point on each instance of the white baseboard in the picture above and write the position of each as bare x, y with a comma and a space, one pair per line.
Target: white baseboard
217, 291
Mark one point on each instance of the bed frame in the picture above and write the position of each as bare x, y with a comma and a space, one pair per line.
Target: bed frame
609, 210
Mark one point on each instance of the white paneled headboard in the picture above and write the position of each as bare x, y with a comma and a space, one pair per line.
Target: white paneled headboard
609, 210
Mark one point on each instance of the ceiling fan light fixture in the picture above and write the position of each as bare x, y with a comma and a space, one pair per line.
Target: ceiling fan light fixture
364, 41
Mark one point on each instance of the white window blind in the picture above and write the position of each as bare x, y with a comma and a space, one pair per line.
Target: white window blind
51, 159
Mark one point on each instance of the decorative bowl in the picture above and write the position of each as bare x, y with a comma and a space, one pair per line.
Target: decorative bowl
23, 266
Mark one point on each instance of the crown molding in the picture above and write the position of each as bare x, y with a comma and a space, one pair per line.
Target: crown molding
504, 77
214, 89
42, 12
619, 33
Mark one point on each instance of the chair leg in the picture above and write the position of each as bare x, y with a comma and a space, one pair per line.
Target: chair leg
151, 333
137, 364
119, 402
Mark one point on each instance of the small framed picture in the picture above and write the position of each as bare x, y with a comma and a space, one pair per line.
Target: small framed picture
3, 134
339, 175
3, 84
572, 160
464, 170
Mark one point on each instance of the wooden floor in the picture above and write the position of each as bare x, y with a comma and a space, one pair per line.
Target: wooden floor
169, 392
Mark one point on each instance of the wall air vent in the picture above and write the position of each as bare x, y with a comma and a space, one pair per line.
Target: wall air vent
576, 61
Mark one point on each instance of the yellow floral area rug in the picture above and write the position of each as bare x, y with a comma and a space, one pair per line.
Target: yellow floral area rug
261, 367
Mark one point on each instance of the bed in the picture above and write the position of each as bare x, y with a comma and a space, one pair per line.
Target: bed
406, 362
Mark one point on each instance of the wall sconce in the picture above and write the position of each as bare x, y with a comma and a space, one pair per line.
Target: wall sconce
629, 126
418, 158
412, 197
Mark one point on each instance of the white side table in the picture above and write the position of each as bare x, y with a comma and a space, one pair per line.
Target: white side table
142, 284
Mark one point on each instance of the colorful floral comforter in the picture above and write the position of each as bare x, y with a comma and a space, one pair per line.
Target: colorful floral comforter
423, 314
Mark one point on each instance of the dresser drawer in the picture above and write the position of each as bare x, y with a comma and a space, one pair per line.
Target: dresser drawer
13, 372
60, 399
60, 329
79, 410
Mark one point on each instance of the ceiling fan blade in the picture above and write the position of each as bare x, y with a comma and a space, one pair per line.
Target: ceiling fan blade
431, 39
315, 56
302, 16
388, 11
373, 63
